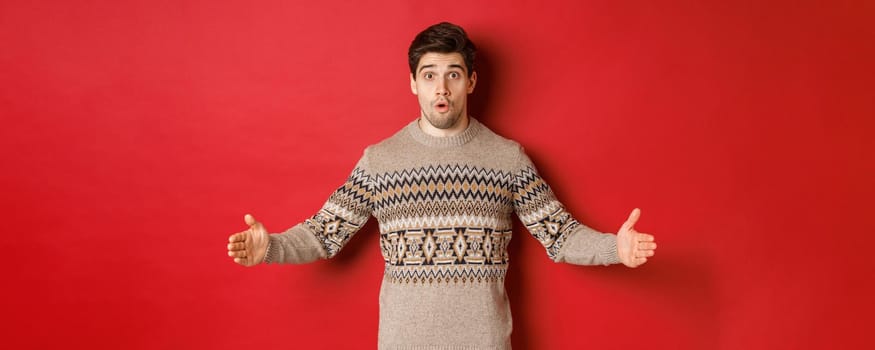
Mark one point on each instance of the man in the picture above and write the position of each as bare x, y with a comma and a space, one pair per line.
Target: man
442, 190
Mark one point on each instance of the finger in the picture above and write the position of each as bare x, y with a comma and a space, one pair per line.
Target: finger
237, 253
237, 237
236, 246
644, 253
640, 261
241, 261
249, 220
646, 246
633, 218
643, 237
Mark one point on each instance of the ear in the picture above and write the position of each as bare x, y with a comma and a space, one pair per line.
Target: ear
472, 81
413, 84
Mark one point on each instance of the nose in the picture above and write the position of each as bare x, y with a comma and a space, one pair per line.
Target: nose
441, 88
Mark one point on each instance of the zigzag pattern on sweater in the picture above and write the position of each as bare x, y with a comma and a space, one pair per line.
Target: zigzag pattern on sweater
497, 222
355, 194
446, 274
442, 182
530, 191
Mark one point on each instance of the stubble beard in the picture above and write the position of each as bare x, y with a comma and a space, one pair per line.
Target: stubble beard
445, 121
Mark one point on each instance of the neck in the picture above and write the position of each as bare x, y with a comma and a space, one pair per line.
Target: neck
456, 129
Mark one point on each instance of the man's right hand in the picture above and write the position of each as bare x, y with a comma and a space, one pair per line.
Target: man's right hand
249, 247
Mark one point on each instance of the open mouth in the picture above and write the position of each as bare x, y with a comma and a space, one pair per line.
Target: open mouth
442, 106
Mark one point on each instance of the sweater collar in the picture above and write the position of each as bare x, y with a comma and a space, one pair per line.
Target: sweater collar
436, 141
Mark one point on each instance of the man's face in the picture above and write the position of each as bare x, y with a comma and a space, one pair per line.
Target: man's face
442, 86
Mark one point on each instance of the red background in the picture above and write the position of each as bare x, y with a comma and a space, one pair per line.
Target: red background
136, 134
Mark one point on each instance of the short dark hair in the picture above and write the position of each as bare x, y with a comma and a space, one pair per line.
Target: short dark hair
443, 37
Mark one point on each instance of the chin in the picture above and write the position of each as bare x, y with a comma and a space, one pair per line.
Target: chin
442, 122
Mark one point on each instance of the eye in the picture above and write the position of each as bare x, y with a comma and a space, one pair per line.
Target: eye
454, 75
428, 76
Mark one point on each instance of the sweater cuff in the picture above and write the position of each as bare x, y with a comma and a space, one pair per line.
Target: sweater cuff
611, 256
273, 253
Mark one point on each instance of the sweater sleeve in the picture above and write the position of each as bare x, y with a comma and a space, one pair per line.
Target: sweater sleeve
324, 234
564, 238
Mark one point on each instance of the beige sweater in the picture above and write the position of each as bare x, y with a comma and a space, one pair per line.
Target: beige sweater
444, 208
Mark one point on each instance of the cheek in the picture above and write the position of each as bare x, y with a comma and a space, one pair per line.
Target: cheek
422, 87
423, 100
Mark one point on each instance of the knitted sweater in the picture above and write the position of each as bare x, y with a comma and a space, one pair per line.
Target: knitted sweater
444, 209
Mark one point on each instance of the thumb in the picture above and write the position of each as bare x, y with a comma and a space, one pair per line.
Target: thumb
249, 220
633, 218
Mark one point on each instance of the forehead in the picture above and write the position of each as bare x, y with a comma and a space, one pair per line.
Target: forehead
441, 60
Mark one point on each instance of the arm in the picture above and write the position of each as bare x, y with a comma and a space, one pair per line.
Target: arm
321, 236
566, 239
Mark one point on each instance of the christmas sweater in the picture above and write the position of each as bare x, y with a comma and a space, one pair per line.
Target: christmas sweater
444, 208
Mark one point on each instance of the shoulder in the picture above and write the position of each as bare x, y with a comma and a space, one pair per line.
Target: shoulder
389, 145
500, 142
502, 150
375, 156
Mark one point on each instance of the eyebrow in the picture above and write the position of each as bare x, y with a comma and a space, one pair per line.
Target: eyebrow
432, 66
